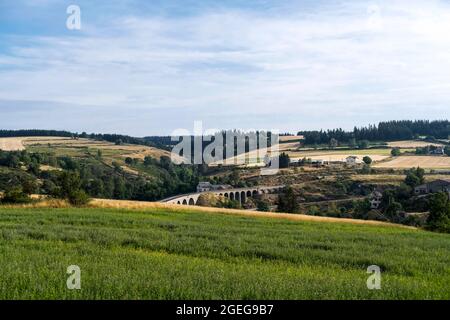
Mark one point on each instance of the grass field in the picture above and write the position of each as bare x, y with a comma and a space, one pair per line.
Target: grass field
66, 146
186, 254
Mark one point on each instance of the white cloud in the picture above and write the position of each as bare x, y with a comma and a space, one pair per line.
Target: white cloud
338, 62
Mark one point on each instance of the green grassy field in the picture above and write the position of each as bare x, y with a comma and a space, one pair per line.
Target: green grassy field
168, 254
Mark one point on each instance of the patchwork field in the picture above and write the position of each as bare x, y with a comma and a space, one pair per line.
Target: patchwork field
341, 155
168, 253
76, 147
427, 162
257, 156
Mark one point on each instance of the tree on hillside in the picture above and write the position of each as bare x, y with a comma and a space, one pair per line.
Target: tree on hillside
439, 217
367, 160
263, 206
415, 177
395, 152
69, 187
285, 160
287, 201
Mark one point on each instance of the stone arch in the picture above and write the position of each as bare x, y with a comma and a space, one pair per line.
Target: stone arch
237, 196
249, 193
185, 202
255, 193
178, 202
191, 202
231, 196
243, 197
226, 195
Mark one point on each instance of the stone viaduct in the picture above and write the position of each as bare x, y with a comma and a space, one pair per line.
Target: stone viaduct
238, 194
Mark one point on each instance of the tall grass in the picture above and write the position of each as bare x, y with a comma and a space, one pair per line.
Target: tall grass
159, 253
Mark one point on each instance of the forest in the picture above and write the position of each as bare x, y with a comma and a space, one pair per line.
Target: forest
384, 131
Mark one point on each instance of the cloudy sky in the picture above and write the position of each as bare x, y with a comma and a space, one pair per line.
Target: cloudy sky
150, 67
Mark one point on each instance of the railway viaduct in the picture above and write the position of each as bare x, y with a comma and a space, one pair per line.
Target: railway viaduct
238, 194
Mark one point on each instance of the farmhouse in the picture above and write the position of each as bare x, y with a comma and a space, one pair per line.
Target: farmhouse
434, 186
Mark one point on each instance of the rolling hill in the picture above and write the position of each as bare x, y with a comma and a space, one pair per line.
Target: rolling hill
184, 253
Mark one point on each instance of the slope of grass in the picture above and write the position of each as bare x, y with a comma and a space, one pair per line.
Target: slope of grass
185, 254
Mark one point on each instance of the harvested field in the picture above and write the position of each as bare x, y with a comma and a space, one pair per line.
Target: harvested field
290, 138
341, 155
411, 144
427, 162
11, 144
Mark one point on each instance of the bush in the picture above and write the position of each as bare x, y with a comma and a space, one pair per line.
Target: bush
439, 218
367, 160
263, 206
284, 160
15, 196
78, 198
287, 201
366, 169
395, 152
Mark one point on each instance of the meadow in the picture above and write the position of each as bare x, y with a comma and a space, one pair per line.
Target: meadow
174, 253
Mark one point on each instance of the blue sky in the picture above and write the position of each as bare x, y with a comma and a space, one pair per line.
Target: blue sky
150, 67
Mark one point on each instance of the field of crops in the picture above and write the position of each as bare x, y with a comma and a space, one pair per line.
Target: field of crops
63, 146
184, 254
341, 155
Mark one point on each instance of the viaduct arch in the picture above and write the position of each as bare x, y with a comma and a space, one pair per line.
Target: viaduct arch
238, 194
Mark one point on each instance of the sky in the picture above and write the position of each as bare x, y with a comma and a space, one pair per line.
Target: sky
149, 67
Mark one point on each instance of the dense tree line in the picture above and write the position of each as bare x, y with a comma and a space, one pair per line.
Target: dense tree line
20, 171
231, 142
384, 131
35, 133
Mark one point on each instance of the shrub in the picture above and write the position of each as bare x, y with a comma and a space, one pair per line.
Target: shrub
287, 201
395, 152
263, 206
366, 169
78, 198
15, 195
284, 160
367, 160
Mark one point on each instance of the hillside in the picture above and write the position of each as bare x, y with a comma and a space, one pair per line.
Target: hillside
174, 253
105, 169
69, 146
